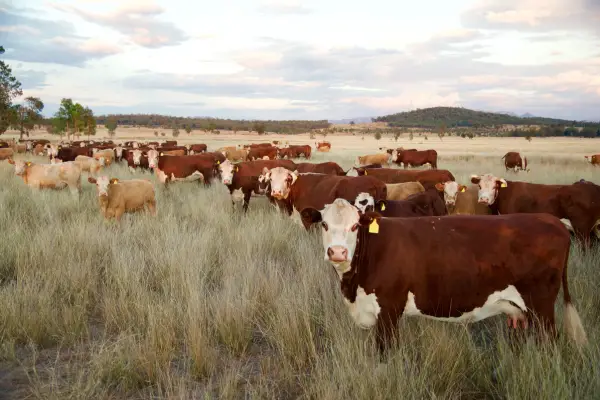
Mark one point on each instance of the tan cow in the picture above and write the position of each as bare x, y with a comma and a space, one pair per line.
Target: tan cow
18, 148
89, 164
462, 200
6, 153
226, 148
107, 154
117, 197
39, 150
49, 176
381, 158
400, 191
236, 155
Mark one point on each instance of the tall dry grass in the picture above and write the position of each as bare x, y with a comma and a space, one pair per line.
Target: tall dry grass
204, 302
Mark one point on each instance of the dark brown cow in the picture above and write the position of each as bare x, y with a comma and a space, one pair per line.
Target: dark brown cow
424, 204
415, 158
3, 145
169, 143
594, 160
70, 153
255, 145
456, 269
199, 167
197, 148
245, 177
576, 205
513, 160
258, 153
329, 168
298, 191
427, 178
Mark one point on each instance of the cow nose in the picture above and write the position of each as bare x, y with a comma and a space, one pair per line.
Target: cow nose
484, 200
337, 253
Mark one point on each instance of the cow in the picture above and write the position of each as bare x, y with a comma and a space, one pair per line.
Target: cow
323, 146
38, 150
199, 167
117, 197
422, 204
428, 178
236, 155
594, 159
244, 178
18, 148
576, 205
176, 152
136, 159
381, 158
461, 199
89, 164
301, 150
415, 158
119, 152
6, 153
70, 153
513, 160
169, 143
330, 168
226, 148
389, 267
197, 148
49, 176
294, 191
259, 153
257, 145
400, 191
107, 154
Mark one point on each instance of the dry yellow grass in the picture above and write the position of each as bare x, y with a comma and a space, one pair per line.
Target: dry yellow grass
204, 302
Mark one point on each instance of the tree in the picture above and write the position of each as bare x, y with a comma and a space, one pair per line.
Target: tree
528, 138
259, 127
377, 135
66, 112
442, 131
188, 129
351, 122
111, 125
175, 130
396, 134
10, 88
25, 116
411, 136
89, 122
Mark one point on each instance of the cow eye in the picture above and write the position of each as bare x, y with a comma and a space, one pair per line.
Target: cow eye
325, 226
354, 227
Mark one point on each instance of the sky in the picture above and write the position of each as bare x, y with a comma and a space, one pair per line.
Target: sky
312, 59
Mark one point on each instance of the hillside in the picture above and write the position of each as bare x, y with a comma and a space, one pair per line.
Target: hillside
457, 116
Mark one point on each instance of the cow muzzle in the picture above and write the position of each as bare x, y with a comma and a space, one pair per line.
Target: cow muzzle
277, 194
227, 181
337, 253
484, 200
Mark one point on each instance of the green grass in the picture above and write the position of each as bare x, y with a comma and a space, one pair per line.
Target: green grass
202, 302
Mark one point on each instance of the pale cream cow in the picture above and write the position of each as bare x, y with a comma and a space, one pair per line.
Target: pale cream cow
384, 159
49, 176
117, 197
400, 191
107, 154
89, 164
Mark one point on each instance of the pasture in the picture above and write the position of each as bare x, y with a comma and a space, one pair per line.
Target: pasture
202, 301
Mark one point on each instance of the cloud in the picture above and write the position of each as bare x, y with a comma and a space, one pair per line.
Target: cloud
284, 8
138, 21
33, 39
30, 79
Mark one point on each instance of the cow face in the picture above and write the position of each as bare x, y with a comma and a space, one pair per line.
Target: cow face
119, 152
451, 190
226, 170
339, 227
20, 166
395, 155
137, 157
152, 158
281, 182
102, 161
102, 184
488, 187
364, 202
264, 180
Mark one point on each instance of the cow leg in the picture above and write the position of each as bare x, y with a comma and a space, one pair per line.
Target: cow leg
151, 207
246, 200
385, 331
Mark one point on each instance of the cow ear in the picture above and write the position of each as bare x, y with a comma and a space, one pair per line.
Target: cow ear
475, 179
265, 170
294, 176
502, 182
311, 215
439, 186
91, 180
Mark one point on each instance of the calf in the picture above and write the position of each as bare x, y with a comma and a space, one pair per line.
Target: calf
117, 197
400, 191
329, 168
423, 204
38, 150
323, 146
49, 176
107, 154
382, 158
462, 200
415, 158
197, 148
428, 178
513, 160
89, 164
454, 269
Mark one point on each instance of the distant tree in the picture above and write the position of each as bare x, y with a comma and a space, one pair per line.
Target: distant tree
411, 136
188, 129
25, 116
377, 135
89, 122
211, 126
175, 130
10, 88
396, 134
259, 127
351, 122
528, 138
111, 124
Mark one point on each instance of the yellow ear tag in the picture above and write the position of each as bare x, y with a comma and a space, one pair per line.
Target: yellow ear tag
462, 190
237, 169
218, 162
382, 207
28, 163
162, 154
503, 185
374, 227
365, 172
115, 181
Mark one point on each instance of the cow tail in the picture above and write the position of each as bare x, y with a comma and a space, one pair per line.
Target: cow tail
572, 321
525, 161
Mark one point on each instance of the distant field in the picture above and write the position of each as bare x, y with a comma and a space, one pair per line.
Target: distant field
204, 302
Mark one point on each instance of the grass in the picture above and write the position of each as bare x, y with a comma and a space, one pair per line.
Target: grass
203, 302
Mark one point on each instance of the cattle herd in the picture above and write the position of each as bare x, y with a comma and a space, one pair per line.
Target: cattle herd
403, 241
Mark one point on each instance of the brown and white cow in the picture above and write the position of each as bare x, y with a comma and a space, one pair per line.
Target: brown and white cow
197, 148
49, 176
462, 200
594, 159
323, 146
381, 158
513, 160
415, 158
427, 178
117, 197
387, 268
330, 168
199, 167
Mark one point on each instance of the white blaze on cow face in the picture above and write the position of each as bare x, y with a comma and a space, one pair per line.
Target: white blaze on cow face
395, 155
365, 309
508, 301
281, 182
21, 167
451, 190
488, 187
152, 158
340, 232
137, 157
102, 183
226, 169
364, 201
102, 161
263, 181
119, 151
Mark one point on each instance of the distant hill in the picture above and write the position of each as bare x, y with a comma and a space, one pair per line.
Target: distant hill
359, 120
458, 116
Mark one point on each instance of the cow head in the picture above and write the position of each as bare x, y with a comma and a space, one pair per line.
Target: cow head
488, 187
102, 161
137, 157
103, 183
119, 151
340, 221
29, 146
281, 182
364, 202
20, 166
226, 170
451, 190
152, 158
264, 180
395, 155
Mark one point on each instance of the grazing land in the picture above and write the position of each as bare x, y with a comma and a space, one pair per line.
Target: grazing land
202, 301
